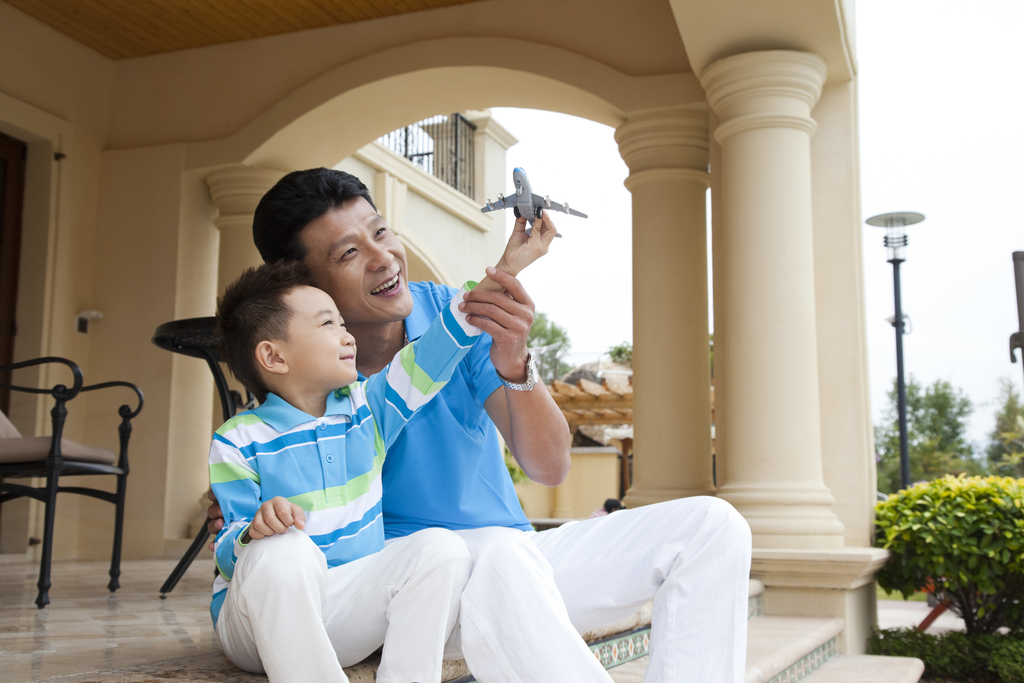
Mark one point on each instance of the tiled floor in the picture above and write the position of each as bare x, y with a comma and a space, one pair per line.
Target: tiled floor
85, 628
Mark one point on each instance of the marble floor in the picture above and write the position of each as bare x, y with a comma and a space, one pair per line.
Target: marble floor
85, 628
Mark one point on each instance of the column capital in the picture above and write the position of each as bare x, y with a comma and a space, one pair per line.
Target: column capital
236, 190
665, 138
768, 89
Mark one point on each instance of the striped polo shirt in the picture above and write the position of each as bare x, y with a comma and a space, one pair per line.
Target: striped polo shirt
329, 466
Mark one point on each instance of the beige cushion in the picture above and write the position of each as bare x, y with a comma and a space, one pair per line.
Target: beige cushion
35, 449
7, 430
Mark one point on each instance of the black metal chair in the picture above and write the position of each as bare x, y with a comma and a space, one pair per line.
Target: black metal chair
54, 456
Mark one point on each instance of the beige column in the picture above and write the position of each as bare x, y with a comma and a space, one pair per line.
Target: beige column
236, 190
768, 425
666, 151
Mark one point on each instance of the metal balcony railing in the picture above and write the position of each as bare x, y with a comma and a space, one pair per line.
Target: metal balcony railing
441, 145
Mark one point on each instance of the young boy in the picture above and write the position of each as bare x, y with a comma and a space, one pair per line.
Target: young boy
306, 584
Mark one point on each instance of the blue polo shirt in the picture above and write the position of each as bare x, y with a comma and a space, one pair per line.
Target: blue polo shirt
446, 469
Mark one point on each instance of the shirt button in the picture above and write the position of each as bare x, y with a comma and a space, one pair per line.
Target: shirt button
330, 458
323, 426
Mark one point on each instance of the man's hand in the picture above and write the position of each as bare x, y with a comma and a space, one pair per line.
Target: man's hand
275, 516
507, 316
523, 249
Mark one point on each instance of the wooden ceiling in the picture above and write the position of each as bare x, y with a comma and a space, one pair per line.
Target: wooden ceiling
135, 28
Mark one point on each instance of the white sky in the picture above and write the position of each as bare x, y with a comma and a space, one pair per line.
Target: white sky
942, 133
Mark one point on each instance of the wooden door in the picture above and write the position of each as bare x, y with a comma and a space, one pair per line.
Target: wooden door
12, 189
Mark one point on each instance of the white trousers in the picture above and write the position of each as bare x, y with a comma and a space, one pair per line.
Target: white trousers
514, 627
691, 556
290, 616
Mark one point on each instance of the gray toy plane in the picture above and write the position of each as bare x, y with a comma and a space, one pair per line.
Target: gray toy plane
527, 205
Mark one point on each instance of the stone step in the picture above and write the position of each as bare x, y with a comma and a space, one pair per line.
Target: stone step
779, 650
868, 669
788, 649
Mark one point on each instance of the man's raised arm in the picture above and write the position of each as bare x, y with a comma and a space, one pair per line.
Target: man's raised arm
530, 422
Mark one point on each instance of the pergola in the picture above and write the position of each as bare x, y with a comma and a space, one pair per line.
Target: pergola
608, 403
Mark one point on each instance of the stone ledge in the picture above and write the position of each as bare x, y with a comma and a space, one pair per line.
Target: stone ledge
786, 648
844, 569
869, 669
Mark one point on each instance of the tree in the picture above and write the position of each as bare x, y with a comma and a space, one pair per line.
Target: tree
936, 426
549, 343
1006, 449
622, 354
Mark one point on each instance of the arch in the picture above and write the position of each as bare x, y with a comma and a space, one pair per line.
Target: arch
413, 81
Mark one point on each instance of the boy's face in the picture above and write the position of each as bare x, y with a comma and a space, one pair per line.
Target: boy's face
356, 258
320, 353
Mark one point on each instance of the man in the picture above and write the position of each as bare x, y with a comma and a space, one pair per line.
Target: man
691, 556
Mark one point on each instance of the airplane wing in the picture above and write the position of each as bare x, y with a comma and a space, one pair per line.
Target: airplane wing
502, 203
555, 206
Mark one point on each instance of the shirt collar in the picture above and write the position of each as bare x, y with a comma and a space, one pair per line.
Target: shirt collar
284, 417
415, 326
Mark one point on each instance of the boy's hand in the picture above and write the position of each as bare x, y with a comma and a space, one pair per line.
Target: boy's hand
216, 517
275, 516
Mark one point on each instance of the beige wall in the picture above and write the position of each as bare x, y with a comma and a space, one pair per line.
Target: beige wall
55, 95
593, 479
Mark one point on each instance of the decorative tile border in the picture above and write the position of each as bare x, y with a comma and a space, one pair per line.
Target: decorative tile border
755, 607
622, 647
809, 664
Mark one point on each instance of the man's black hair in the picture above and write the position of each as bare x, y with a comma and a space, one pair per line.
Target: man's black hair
253, 310
294, 202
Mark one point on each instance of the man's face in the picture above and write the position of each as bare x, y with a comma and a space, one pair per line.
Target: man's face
356, 259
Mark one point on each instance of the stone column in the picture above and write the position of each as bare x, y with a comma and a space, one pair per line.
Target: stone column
768, 424
236, 190
666, 151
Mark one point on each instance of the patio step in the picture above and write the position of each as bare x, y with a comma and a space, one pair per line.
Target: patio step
788, 649
868, 669
779, 650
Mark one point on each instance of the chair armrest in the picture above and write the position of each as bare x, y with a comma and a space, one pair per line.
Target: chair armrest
124, 411
59, 391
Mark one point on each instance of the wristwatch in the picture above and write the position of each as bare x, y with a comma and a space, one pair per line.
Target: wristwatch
532, 375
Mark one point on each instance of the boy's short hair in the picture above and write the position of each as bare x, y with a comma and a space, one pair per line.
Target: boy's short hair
252, 310
294, 202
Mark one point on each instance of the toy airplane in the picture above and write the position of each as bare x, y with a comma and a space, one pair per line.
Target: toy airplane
527, 205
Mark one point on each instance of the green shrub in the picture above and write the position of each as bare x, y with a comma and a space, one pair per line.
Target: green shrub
966, 535
983, 658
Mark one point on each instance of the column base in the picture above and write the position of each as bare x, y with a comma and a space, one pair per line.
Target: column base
637, 497
816, 583
799, 518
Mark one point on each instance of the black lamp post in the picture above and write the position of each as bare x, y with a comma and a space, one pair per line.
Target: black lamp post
896, 243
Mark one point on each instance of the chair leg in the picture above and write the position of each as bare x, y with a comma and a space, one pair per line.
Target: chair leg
115, 558
43, 599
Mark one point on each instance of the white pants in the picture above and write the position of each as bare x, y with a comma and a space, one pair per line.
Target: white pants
514, 627
290, 616
692, 556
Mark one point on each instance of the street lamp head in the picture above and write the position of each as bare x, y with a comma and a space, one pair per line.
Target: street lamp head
895, 234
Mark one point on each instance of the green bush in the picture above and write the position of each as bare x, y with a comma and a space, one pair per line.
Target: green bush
984, 658
965, 535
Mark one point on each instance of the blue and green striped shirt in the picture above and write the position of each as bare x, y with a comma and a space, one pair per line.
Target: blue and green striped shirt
329, 466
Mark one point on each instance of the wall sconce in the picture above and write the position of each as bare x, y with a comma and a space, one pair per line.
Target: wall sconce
83, 318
